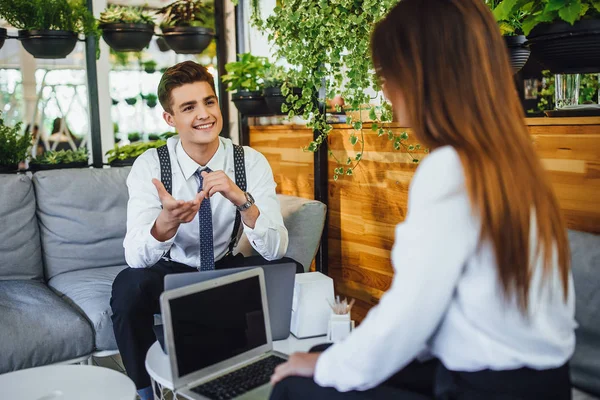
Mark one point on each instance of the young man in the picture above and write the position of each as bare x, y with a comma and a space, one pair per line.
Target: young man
190, 229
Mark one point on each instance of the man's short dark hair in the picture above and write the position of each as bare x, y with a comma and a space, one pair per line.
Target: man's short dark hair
179, 75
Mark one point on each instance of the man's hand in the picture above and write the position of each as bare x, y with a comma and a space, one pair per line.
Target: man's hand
174, 212
219, 182
299, 364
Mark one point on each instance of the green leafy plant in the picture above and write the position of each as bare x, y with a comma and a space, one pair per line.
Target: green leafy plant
62, 157
115, 14
509, 18
131, 150
246, 74
167, 134
131, 100
588, 90
274, 76
185, 13
153, 136
149, 66
13, 145
541, 11
151, 100
134, 136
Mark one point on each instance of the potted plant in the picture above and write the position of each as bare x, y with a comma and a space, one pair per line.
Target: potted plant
167, 134
149, 66
564, 36
121, 156
153, 137
184, 26
151, 100
277, 89
60, 159
49, 28
131, 100
3, 36
14, 146
126, 28
245, 78
510, 22
134, 137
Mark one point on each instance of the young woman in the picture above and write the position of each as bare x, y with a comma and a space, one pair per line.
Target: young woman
482, 285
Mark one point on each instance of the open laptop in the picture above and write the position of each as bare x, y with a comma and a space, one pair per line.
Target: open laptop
218, 338
279, 280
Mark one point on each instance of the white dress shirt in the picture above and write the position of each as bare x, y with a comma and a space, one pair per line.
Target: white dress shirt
269, 236
446, 299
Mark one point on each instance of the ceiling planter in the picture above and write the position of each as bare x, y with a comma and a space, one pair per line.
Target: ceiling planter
127, 37
250, 103
518, 51
567, 49
48, 44
126, 28
187, 39
3, 36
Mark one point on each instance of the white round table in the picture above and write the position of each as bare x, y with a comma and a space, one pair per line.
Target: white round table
159, 368
66, 382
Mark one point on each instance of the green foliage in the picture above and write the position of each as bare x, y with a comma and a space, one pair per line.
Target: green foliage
62, 157
134, 136
151, 100
149, 66
67, 15
125, 14
588, 90
246, 74
153, 136
540, 11
131, 150
326, 42
186, 13
509, 18
131, 100
13, 145
274, 76
167, 134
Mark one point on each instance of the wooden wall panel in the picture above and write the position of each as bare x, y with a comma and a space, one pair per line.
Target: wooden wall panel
282, 146
364, 209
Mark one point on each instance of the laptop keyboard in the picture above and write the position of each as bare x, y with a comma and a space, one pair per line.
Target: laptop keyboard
240, 381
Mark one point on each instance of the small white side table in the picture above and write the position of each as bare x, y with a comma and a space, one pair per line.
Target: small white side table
66, 382
159, 368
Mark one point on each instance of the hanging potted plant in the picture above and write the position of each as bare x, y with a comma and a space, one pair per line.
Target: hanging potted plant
245, 78
3, 36
126, 28
151, 100
134, 137
14, 146
49, 28
564, 36
131, 100
184, 26
277, 88
510, 22
60, 159
149, 66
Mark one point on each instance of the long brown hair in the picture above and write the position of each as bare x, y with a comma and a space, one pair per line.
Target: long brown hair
448, 59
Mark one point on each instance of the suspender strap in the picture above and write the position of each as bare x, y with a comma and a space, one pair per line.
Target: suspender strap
165, 168
240, 180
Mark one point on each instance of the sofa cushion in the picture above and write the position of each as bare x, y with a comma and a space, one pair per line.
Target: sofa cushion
89, 292
38, 328
585, 263
82, 214
19, 236
304, 220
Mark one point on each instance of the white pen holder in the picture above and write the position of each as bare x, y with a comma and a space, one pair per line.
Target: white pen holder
339, 327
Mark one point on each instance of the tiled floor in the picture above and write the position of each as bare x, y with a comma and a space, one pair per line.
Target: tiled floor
115, 362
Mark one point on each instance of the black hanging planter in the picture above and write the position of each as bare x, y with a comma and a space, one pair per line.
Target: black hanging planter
275, 99
127, 37
123, 163
188, 39
48, 43
567, 49
517, 51
162, 44
3, 36
251, 104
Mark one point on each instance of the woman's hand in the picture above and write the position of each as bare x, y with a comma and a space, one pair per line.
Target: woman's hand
299, 364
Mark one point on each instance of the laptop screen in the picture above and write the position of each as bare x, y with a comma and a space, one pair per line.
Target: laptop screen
216, 324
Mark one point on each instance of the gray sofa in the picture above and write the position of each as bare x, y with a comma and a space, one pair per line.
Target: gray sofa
61, 246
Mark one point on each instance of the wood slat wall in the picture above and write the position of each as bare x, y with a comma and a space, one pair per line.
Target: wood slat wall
364, 209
